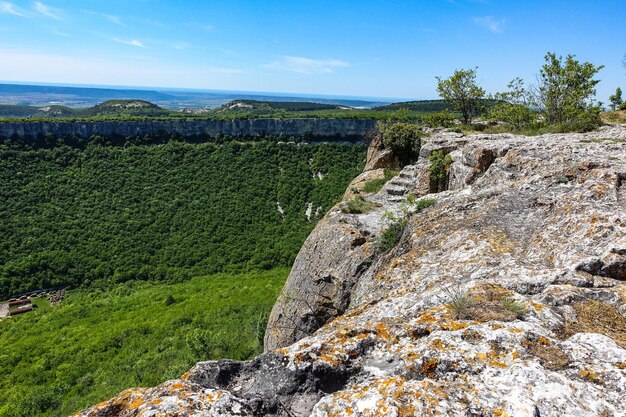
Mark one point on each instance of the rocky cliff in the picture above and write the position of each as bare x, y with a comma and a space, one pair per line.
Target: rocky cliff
506, 297
315, 128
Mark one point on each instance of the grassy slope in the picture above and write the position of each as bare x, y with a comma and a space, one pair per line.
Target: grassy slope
56, 361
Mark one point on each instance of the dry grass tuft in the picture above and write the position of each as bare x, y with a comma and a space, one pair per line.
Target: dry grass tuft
550, 356
618, 117
597, 317
487, 302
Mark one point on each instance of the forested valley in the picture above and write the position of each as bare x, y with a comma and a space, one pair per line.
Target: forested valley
169, 254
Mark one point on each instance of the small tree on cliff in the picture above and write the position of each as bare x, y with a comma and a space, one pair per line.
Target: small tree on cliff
565, 90
616, 99
404, 140
462, 91
513, 106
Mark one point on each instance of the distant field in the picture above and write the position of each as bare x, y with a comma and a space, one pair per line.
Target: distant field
55, 361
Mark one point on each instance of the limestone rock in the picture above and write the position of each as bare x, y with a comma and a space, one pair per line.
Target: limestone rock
505, 298
327, 129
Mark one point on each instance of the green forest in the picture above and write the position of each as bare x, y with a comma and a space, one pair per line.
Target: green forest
73, 217
164, 250
100, 341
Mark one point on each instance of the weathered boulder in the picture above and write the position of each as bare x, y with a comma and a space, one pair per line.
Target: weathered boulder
505, 298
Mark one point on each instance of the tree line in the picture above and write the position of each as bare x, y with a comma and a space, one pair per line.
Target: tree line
562, 96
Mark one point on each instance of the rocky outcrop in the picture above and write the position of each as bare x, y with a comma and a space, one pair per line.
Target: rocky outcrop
353, 129
505, 298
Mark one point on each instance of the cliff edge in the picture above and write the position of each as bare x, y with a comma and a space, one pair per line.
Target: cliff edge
506, 297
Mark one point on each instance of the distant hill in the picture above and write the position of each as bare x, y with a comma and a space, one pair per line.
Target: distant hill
425, 106
280, 105
75, 97
124, 108
41, 95
11, 110
110, 108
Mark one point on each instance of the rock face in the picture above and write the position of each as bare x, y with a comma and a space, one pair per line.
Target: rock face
505, 298
354, 129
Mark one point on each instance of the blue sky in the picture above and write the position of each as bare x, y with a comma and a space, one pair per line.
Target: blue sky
381, 48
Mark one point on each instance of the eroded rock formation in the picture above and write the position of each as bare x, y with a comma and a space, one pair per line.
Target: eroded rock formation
505, 298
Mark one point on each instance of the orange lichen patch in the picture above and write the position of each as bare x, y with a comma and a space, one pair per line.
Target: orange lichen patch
426, 318
176, 386
332, 359
498, 364
381, 330
589, 375
136, 403
489, 292
515, 355
538, 307
439, 344
515, 330
620, 365
428, 367
185, 376
500, 413
497, 326
543, 341
453, 325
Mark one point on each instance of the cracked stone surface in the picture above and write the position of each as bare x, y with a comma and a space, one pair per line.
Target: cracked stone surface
531, 233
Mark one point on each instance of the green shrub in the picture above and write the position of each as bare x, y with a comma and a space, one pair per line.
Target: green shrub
404, 140
513, 106
374, 186
438, 119
169, 300
439, 166
424, 204
561, 179
459, 301
357, 205
518, 308
391, 235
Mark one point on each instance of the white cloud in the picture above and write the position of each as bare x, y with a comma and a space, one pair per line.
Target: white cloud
302, 65
133, 42
47, 10
114, 19
110, 17
492, 24
10, 8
